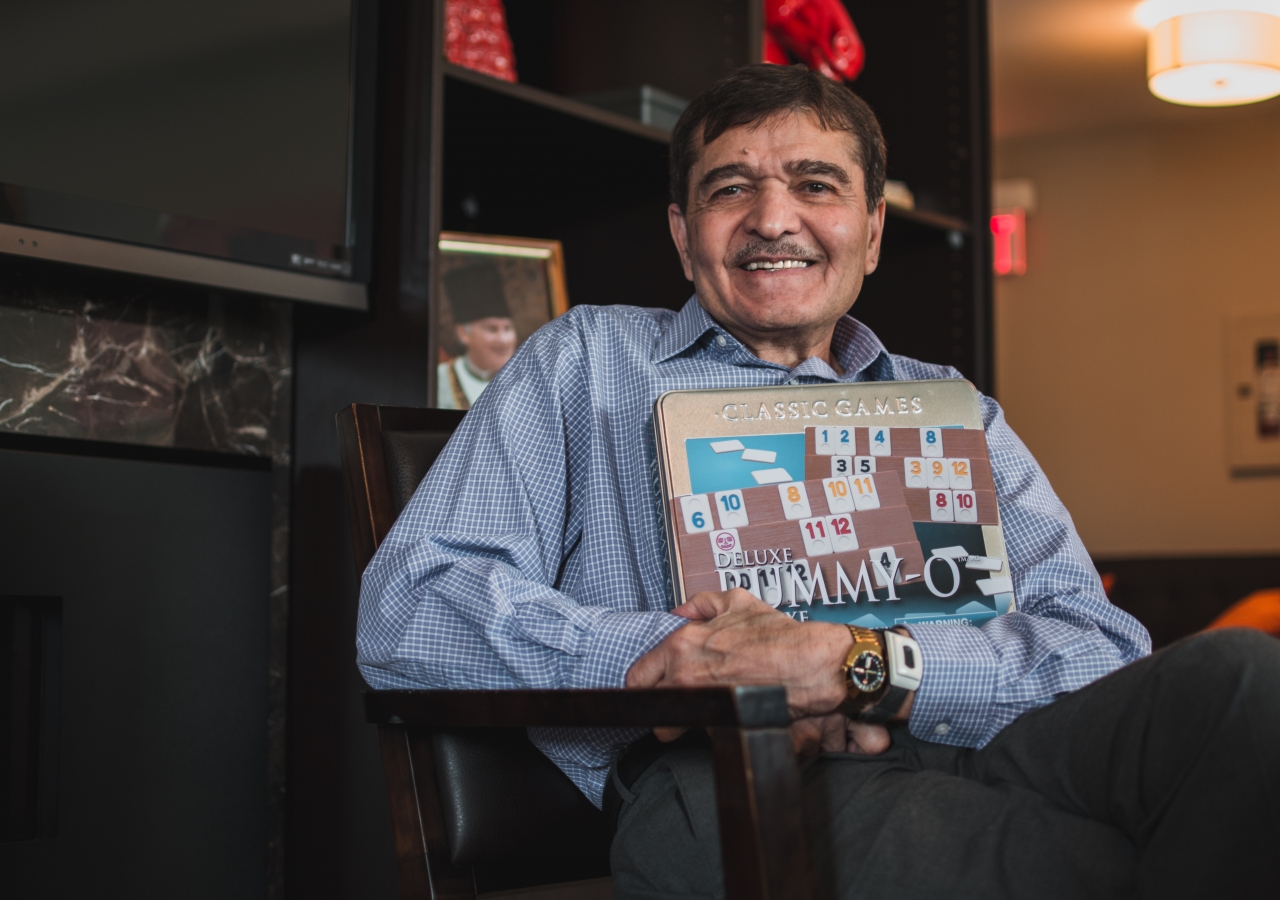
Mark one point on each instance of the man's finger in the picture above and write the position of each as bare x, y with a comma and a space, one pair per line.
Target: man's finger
834, 733
868, 739
709, 604
647, 671
667, 735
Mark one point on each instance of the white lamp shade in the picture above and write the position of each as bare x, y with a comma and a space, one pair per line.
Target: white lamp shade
1219, 58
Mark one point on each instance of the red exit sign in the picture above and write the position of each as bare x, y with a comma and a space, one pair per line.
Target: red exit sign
1009, 240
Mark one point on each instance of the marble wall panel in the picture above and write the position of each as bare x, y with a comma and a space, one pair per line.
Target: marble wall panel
117, 359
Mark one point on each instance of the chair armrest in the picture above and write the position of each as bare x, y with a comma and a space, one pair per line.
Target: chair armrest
732, 706
758, 795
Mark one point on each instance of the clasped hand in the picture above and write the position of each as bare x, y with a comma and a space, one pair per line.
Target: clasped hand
734, 638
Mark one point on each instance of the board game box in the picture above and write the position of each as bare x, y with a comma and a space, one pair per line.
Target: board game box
871, 504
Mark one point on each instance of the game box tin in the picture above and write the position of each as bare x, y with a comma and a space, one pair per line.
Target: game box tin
870, 503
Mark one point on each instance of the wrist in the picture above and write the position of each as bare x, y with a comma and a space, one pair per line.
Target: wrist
834, 644
903, 669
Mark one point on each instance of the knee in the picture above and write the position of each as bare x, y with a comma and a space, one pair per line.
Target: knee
1229, 663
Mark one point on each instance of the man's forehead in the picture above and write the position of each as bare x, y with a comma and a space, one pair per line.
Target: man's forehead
805, 134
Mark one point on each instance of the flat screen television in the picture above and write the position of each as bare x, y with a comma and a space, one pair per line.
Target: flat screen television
221, 142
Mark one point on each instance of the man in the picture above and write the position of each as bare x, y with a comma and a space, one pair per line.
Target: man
532, 556
482, 323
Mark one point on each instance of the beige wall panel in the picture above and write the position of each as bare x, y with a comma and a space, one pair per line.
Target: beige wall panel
1109, 352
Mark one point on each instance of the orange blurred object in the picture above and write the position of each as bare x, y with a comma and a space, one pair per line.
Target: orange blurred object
475, 36
1260, 610
818, 33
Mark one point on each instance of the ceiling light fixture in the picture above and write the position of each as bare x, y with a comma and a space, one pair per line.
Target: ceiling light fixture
1212, 52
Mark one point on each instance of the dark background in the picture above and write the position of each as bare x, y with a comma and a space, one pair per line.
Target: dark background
162, 572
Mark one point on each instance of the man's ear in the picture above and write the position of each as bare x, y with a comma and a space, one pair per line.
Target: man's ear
875, 231
680, 235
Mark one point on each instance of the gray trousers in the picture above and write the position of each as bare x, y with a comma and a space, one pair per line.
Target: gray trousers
1161, 780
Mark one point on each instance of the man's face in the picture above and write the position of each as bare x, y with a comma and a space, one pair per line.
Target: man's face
776, 236
489, 343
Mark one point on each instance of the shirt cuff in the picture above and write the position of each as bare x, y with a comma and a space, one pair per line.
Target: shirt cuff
619, 639
956, 697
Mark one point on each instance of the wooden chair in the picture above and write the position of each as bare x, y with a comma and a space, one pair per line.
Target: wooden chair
475, 807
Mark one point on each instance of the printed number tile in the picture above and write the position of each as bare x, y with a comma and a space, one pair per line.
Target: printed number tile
960, 474
880, 444
845, 443
885, 565
865, 495
914, 472
931, 442
731, 509
840, 530
966, 506
864, 465
795, 575
937, 470
795, 501
842, 466
817, 540
769, 585
824, 441
839, 497
747, 579
941, 506
723, 545
728, 579
697, 514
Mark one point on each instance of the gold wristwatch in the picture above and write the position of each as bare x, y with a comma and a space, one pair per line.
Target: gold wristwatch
866, 675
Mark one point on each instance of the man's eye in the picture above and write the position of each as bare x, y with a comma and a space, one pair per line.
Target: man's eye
817, 187
731, 190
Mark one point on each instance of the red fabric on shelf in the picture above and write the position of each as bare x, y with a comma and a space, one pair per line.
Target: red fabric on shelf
818, 33
773, 52
475, 36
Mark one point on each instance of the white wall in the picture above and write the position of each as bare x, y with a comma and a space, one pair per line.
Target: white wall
1109, 351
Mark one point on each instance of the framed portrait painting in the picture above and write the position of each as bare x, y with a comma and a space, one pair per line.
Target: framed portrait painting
492, 293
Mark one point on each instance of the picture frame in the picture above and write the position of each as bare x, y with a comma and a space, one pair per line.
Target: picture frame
1253, 394
491, 293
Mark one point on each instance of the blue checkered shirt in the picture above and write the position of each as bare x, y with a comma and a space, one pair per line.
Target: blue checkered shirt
532, 554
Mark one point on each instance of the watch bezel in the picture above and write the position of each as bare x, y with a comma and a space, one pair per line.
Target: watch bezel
881, 671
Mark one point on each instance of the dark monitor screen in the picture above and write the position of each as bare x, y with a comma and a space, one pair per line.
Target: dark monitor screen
220, 128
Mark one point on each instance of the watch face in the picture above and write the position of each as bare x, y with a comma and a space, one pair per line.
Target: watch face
867, 671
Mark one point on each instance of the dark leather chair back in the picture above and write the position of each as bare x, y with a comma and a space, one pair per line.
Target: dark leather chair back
509, 813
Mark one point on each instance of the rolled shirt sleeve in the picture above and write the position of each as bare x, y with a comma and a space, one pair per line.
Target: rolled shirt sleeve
478, 584
1064, 634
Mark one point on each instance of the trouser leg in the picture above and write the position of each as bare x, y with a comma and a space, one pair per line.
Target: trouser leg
904, 825
1165, 772
1180, 751
916, 826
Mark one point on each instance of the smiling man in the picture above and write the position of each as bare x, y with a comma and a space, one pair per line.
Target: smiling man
1025, 765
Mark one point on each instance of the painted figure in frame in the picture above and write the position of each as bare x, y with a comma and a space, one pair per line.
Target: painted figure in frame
483, 325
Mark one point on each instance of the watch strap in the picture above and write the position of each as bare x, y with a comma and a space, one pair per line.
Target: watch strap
887, 708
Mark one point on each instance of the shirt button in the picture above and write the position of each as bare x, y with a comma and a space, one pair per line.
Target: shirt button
720, 340
941, 728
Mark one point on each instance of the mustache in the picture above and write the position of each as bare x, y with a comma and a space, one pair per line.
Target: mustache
785, 247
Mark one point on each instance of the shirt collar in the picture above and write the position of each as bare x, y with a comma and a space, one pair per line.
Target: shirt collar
860, 353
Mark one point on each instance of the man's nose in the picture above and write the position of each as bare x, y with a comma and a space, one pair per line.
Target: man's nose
774, 214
